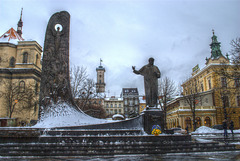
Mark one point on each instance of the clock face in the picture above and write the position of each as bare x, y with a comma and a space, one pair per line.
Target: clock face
58, 26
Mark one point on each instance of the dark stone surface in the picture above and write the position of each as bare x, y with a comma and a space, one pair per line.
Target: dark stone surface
55, 80
153, 117
135, 123
151, 73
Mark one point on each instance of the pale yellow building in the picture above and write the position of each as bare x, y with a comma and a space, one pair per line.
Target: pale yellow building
20, 75
113, 105
210, 88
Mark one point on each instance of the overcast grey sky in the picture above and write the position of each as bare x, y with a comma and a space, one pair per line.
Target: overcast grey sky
123, 33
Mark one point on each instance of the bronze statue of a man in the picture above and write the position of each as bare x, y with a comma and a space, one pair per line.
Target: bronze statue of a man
151, 74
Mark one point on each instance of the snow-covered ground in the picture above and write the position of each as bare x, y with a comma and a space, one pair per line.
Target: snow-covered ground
205, 129
62, 115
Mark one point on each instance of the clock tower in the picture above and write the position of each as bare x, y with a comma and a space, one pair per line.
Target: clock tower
100, 85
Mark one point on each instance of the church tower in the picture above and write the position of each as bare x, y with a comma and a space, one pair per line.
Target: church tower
216, 53
100, 85
20, 25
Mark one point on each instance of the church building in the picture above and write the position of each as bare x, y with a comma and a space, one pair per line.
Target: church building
20, 75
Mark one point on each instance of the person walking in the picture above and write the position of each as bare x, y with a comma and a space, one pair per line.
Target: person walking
187, 129
231, 127
225, 128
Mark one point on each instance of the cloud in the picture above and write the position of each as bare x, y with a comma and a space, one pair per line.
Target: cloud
177, 33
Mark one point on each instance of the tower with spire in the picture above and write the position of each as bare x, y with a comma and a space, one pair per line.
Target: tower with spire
100, 85
12, 35
20, 25
216, 53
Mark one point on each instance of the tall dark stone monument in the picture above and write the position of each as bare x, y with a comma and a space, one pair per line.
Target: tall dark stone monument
55, 81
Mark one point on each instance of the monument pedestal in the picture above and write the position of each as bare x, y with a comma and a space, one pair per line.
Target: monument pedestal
153, 117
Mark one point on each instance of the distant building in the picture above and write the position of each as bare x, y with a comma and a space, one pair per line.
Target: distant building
131, 102
100, 85
113, 105
20, 72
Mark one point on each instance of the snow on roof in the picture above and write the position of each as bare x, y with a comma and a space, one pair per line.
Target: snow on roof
113, 99
142, 99
11, 36
118, 115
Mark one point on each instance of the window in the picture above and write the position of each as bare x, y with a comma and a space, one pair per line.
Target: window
237, 82
12, 62
225, 101
131, 102
119, 105
115, 111
111, 105
116, 105
202, 87
107, 106
36, 88
198, 121
21, 86
136, 102
120, 111
36, 58
188, 123
224, 82
207, 122
238, 101
25, 57
209, 83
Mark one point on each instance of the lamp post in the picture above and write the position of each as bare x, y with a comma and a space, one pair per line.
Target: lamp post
224, 107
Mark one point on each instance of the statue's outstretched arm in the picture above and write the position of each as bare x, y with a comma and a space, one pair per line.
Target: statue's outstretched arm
135, 71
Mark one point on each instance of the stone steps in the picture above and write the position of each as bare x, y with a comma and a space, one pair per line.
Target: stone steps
78, 149
59, 142
91, 132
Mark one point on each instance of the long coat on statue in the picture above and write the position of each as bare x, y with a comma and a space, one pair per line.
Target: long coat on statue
151, 74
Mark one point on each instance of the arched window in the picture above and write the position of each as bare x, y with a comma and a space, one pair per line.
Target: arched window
188, 123
25, 57
198, 121
21, 86
12, 62
207, 122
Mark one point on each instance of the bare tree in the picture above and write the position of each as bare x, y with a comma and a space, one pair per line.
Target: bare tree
85, 94
167, 90
235, 51
226, 91
78, 75
228, 86
193, 96
18, 96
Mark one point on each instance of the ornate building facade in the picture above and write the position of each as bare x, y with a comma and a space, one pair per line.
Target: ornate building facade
214, 97
113, 105
131, 102
20, 75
